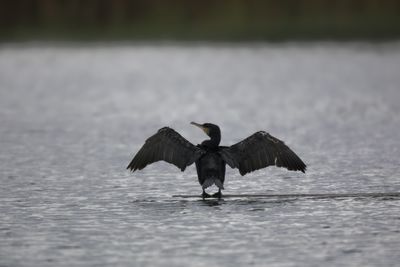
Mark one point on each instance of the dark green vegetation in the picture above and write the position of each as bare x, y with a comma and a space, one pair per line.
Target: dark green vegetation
230, 20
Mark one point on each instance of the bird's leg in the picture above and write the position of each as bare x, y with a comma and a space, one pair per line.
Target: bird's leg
204, 194
218, 194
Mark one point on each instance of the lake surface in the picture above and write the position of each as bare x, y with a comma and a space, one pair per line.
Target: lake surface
72, 117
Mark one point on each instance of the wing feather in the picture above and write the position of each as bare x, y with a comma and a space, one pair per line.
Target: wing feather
166, 145
261, 150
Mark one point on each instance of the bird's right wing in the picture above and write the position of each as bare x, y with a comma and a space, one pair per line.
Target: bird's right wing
261, 150
167, 145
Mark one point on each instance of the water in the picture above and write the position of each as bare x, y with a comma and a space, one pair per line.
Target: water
73, 116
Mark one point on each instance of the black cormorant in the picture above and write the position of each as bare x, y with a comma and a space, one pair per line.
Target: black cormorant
255, 152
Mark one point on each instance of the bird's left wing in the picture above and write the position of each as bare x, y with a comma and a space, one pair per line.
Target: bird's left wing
167, 145
259, 151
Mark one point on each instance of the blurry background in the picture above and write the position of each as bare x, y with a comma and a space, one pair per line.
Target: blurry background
199, 20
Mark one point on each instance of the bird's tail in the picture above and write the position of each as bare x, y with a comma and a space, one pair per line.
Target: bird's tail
212, 180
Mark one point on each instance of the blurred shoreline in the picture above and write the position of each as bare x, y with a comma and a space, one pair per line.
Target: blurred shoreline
216, 21
384, 44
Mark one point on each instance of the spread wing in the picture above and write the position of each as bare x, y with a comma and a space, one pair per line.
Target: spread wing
261, 150
167, 145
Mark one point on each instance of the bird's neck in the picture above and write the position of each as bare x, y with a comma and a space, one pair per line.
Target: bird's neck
213, 142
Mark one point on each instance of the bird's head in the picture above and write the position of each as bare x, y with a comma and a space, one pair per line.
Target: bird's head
210, 129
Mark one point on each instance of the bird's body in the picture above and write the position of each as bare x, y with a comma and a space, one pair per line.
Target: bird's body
255, 152
211, 169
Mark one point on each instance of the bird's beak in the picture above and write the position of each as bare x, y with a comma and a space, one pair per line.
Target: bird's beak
205, 129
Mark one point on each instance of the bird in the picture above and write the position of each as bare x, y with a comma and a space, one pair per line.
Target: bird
255, 152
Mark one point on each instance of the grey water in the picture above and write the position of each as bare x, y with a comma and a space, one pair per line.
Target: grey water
72, 116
